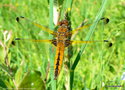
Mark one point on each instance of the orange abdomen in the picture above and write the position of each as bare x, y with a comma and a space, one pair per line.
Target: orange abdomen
58, 59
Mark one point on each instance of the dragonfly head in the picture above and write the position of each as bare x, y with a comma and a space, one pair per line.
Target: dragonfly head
63, 22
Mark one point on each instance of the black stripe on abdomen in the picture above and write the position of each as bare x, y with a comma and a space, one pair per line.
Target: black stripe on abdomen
57, 66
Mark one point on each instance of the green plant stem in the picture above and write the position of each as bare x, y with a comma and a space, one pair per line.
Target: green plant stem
53, 82
97, 18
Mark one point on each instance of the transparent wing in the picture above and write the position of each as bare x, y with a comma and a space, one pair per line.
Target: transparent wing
18, 19
75, 42
105, 20
33, 40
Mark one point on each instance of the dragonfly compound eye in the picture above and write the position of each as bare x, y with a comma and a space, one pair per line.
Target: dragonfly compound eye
63, 22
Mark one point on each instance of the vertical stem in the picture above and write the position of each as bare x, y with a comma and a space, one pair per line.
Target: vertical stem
67, 8
53, 82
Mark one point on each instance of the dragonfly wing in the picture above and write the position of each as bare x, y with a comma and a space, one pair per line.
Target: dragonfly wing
105, 20
32, 40
77, 42
53, 41
80, 28
18, 19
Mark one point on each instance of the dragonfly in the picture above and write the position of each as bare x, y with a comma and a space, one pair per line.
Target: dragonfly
61, 40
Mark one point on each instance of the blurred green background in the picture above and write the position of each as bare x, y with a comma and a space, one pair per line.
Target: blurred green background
99, 66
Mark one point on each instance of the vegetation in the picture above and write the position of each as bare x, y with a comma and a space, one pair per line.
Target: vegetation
25, 64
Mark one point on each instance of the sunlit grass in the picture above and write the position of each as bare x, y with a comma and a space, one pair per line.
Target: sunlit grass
98, 65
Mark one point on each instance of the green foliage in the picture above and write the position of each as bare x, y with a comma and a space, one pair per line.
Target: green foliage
32, 80
98, 65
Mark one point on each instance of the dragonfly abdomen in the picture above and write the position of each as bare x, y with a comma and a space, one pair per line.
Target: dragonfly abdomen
58, 59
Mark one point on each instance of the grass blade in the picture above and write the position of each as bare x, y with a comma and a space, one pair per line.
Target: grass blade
53, 82
99, 14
